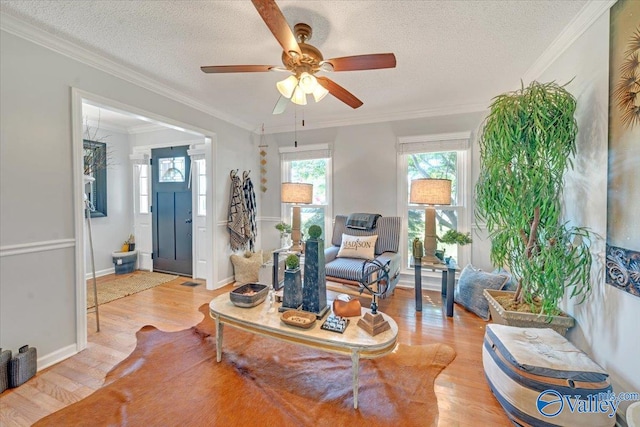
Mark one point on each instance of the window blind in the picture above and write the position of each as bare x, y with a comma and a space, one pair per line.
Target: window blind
434, 143
316, 151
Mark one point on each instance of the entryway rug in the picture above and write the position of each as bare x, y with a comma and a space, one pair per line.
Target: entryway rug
172, 378
128, 284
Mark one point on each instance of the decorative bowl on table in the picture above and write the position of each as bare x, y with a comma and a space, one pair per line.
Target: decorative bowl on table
301, 319
249, 295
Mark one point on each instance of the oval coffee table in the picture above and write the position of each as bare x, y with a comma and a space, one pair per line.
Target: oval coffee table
354, 342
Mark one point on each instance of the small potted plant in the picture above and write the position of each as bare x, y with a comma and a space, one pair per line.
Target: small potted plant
285, 232
131, 242
453, 237
292, 293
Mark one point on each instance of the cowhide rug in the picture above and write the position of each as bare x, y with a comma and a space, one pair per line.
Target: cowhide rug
172, 378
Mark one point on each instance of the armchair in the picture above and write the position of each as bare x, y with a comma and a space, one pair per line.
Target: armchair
349, 271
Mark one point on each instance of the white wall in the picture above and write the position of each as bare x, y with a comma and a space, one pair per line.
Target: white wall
364, 165
110, 232
37, 288
607, 323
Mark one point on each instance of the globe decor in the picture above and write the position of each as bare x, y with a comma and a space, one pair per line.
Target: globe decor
314, 292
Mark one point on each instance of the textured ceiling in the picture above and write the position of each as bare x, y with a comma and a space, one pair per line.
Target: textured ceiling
450, 54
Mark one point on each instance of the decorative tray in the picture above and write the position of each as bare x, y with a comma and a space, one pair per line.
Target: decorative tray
249, 295
300, 319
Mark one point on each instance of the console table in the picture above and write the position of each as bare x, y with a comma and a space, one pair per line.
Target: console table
354, 342
448, 282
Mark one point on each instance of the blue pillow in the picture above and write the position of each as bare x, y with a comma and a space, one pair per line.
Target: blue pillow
471, 283
511, 284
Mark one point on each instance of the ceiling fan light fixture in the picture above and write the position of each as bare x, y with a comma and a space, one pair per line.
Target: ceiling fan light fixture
287, 86
319, 92
299, 97
326, 66
308, 82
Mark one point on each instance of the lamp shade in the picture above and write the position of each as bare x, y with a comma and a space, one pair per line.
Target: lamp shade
299, 97
308, 82
430, 191
287, 86
296, 192
319, 92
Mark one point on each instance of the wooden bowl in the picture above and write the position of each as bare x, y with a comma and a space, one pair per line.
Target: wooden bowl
300, 319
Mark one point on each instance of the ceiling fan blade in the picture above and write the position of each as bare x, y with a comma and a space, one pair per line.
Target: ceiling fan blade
275, 20
339, 92
363, 62
236, 68
281, 105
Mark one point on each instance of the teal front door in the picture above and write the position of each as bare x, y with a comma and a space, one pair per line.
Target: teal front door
171, 209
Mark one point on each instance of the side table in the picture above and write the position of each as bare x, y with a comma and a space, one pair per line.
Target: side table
448, 283
278, 273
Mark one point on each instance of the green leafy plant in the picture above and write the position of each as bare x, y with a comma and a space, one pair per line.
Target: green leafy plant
315, 231
526, 145
283, 228
454, 237
292, 262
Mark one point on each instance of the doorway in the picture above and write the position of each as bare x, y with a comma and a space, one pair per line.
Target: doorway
172, 210
205, 153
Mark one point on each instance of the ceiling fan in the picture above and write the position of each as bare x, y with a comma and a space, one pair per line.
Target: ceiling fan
304, 61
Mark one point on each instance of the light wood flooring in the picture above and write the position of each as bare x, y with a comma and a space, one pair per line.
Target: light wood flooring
464, 398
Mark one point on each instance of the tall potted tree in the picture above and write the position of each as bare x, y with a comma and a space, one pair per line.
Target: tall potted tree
527, 143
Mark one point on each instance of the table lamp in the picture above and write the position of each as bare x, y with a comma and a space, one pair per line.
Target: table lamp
430, 192
296, 193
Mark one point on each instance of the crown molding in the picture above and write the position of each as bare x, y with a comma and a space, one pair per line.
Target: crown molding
102, 125
578, 25
150, 127
36, 35
391, 117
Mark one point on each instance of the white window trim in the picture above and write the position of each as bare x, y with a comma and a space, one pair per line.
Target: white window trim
460, 142
308, 152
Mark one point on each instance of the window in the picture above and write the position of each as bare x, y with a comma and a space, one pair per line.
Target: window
437, 156
202, 186
144, 188
95, 166
312, 165
172, 169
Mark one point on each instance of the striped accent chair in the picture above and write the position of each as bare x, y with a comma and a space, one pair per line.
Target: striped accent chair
349, 271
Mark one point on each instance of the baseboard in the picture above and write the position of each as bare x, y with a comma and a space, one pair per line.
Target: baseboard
56, 356
100, 273
225, 282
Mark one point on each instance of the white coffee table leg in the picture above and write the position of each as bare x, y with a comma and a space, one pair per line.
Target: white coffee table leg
219, 329
355, 367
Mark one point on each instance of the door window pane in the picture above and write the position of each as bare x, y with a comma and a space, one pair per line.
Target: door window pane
172, 169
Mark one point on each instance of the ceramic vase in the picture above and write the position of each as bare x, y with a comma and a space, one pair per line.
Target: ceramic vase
314, 292
292, 293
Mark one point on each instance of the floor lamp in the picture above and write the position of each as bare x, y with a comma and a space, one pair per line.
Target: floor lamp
430, 192
296, 193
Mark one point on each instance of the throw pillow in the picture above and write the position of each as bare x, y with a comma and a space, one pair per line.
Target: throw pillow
246, 267
471, 283
511, 284
362, 247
